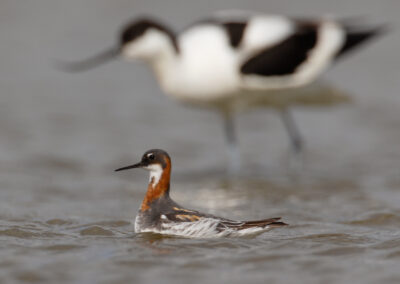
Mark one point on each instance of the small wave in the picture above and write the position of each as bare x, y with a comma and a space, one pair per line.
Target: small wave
96, 231
377, 219
24, 234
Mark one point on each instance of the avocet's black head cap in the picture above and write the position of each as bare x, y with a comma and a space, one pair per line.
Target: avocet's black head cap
136, 28
151, 158
128, 34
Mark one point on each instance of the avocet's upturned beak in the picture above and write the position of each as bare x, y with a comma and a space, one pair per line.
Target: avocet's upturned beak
138, 165
92, 62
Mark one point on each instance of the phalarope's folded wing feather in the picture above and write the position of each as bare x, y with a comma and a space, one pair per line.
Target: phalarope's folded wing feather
241, 225
191, 223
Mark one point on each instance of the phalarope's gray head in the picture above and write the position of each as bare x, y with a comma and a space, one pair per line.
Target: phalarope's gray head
152, 160
160, 214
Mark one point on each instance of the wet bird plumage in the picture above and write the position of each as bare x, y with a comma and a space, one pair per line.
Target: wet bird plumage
160, 214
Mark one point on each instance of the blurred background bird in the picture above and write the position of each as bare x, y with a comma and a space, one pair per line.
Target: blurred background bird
234, 61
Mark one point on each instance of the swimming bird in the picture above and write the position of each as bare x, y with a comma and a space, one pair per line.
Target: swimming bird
160, 214
235, 61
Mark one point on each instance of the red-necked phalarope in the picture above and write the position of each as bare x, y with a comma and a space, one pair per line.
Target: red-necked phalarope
234, 61
160, 214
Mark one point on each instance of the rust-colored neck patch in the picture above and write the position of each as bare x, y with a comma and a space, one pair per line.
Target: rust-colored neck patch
155, 191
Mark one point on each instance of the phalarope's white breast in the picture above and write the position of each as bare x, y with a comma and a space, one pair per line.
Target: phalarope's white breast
160, 214
233, 62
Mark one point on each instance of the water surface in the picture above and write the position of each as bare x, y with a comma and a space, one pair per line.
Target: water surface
65, 216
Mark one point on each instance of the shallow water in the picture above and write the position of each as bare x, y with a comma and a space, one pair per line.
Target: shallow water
65, 215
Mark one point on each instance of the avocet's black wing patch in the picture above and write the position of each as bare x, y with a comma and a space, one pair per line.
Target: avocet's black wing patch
235, 32
284, 57
355, 36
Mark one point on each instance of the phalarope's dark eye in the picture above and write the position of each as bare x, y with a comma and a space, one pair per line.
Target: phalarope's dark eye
150, 156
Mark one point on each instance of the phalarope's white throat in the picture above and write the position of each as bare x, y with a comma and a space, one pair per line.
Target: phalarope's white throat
160, 214
233, 62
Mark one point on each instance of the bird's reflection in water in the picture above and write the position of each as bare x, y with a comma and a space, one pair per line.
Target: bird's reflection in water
155, 242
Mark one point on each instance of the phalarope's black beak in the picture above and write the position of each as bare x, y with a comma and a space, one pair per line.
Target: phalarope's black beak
138, 165
91, 62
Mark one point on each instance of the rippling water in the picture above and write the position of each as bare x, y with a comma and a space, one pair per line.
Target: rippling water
65, 216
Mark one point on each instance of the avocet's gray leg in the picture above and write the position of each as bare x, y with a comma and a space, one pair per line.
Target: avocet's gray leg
296, 140
232, 144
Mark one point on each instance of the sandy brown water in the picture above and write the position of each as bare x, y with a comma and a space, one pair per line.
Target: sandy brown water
65, 216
